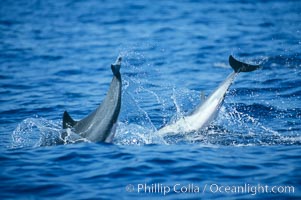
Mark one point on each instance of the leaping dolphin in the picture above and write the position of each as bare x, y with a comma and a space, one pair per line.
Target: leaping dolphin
206, 112
100, 125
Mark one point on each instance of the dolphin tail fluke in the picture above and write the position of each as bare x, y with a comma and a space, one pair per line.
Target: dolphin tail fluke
239, 66
116, 66
68, 121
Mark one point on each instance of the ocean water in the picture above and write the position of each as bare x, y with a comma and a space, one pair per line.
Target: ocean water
56, 56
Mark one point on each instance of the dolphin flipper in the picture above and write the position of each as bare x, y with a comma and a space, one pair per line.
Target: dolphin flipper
239, 66
68, 121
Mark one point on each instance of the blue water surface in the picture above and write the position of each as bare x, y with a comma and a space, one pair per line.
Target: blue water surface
56, 56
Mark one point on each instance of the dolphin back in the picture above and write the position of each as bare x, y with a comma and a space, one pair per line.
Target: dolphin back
239, 66
99, 125
206, 111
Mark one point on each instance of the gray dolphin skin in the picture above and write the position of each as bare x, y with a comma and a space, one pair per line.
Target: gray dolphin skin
100, 125
206, 112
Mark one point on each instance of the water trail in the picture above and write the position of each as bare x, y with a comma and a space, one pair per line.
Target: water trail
38, 131
33, 132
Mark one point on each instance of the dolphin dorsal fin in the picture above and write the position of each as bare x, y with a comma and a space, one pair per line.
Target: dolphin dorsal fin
68, 121
239, 66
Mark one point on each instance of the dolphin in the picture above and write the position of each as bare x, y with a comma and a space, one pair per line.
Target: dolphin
206, 112
100, 125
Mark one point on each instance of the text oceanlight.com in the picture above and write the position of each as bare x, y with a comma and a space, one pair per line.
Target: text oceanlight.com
252, 189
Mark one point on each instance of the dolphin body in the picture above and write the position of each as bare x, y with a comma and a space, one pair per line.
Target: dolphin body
100, 125
206, 112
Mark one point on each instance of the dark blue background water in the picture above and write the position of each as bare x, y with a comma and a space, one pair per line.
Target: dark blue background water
56, 55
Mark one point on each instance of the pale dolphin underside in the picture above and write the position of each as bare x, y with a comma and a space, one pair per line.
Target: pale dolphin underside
206, 112
100, 125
